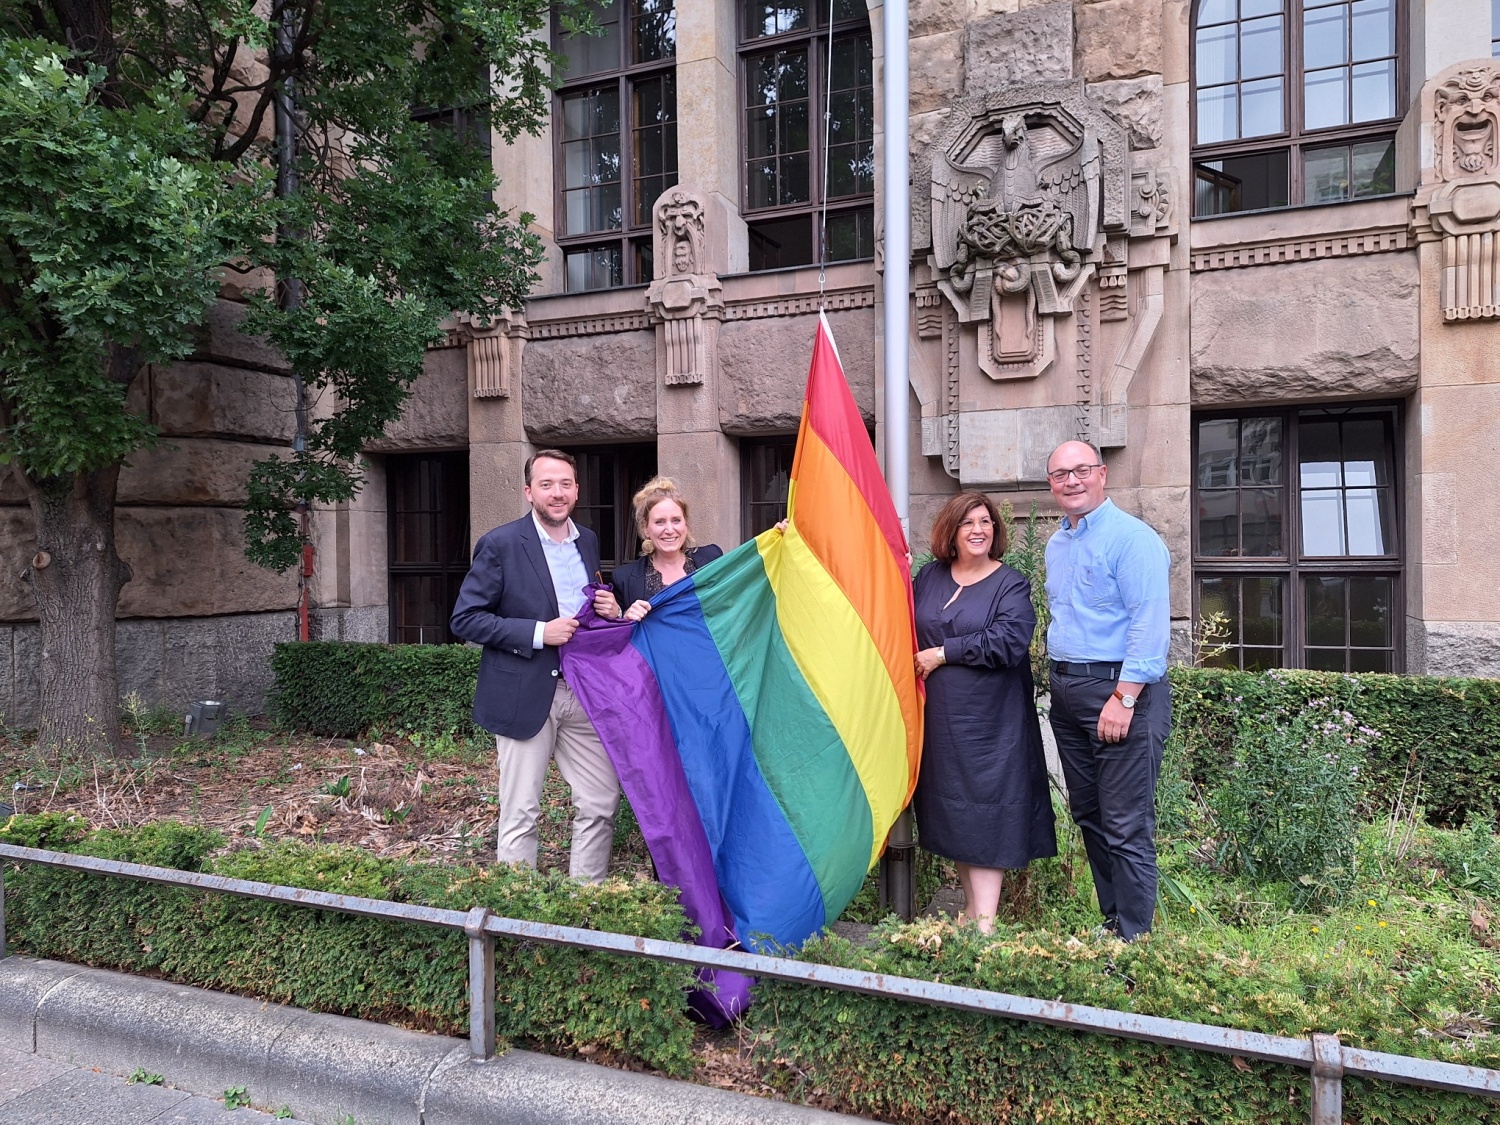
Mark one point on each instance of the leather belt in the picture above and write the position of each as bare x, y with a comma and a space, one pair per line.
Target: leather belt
1093, 671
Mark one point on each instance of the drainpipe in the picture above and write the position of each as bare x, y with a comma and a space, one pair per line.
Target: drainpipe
289, 289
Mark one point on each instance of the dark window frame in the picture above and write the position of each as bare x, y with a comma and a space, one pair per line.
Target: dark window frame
782, 446
1293, 566
450, 570
632, 464
814, 40
632, 237
1294, 139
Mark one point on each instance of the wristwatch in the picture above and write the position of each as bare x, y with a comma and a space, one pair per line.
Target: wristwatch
1126, 701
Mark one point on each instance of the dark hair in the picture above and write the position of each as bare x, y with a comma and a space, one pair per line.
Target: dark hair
945, 527
553, 454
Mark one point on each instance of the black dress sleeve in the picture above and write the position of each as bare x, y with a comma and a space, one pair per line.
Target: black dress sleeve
1005, 641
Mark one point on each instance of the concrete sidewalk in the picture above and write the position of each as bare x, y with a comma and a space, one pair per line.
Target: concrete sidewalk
41, 1091
327, 1069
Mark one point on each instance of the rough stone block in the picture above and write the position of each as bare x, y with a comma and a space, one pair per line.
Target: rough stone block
242, 669
141, 658
1031, 45
192, 471
1119, 39
436, 416
191, 562
1335, 328
591, 388
17, 545
1137, 102
764, 368
26, 687
212, 400
937, 70
926, 17
219, 338
1454, 648
366, 624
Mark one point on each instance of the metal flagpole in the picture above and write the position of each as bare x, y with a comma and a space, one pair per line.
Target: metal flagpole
897, 867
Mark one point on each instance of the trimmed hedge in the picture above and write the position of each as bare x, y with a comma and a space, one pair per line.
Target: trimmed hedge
915, 1064
343, 688
328, 962
1446, 729
907, 1063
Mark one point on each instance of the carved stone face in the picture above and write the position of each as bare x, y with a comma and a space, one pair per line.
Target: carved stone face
682, 255
1468, 119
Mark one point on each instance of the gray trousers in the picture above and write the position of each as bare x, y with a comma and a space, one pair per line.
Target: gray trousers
568, 736
1112, 792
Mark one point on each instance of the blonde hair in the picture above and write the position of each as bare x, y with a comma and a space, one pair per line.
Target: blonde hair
655, 491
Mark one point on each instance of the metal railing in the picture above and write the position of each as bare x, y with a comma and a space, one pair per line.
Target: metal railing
1328, 1060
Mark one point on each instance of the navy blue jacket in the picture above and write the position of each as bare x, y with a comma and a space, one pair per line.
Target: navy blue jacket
507, 591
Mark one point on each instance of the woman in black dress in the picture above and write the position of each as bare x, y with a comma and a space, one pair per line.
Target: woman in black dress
668, 554
982, 796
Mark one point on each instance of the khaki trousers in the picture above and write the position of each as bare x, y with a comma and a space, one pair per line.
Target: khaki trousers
568, 736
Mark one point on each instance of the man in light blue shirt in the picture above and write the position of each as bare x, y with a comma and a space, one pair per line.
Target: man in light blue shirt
1111, 704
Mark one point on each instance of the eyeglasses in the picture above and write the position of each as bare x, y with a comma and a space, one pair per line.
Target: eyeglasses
1083, 472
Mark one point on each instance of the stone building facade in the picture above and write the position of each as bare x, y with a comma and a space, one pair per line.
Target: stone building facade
1248, 247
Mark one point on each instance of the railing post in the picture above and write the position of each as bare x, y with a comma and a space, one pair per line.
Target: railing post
1327, 1080
481, 984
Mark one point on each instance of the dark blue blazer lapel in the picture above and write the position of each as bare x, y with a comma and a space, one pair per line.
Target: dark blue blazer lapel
531, 547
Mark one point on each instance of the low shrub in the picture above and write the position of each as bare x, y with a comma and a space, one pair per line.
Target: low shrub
1440, 735
913, 1063
394, 972
1287, 809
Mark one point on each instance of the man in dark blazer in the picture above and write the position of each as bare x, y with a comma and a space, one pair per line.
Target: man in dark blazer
520, 601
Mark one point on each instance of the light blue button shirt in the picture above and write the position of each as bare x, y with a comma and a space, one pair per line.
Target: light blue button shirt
1107, 586
569, 576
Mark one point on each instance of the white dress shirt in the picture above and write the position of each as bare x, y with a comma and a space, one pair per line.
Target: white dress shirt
569, 576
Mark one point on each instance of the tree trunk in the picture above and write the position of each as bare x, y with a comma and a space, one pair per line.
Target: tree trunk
76, 578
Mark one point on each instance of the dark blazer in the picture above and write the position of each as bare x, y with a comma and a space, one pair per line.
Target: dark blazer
507, 591
629, 580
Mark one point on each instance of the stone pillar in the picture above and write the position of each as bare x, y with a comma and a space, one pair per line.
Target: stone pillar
685, 302
708, 113
1453, 537
524, 170
498, 446
1445, 32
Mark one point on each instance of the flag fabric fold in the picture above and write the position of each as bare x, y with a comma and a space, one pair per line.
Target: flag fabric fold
765, 719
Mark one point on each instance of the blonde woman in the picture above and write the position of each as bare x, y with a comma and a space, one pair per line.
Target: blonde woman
668, 554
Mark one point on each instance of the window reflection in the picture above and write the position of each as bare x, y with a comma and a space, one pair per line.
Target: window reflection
1345, 476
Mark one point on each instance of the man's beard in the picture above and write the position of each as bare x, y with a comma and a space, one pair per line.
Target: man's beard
548, 520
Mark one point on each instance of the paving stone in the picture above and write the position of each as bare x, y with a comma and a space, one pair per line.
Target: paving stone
85, 1097
20, 1073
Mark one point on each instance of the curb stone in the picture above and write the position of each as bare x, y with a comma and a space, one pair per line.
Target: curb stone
328, 1068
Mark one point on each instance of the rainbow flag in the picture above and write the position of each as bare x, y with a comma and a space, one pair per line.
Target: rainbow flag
764, 718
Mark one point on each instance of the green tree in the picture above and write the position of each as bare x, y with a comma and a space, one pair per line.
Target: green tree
139, 143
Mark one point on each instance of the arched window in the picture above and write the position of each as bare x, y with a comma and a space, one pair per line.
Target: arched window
1295, 102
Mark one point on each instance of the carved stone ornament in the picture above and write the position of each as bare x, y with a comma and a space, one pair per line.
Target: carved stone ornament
1048, 252
1019, 196
685, 300
1467, 213
493, 344
1466, 107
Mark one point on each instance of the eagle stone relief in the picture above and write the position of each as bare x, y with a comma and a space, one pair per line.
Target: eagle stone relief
1019, 213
